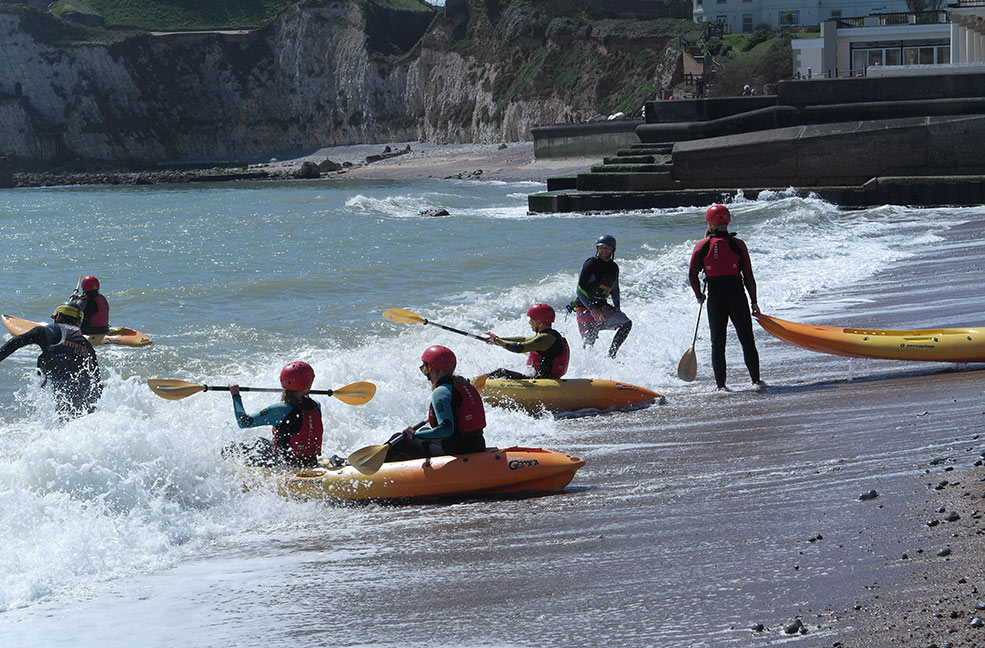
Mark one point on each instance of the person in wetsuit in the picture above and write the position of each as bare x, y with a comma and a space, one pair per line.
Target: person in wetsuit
67, 361
547, 350
724, 259
296, 421
599, 280
95, 308
456, 417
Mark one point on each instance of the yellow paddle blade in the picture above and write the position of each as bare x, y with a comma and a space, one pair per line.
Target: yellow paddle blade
402, 316
355, 394
687, 368
369, 459
174, 389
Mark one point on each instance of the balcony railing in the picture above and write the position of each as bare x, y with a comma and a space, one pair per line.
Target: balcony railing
898, 18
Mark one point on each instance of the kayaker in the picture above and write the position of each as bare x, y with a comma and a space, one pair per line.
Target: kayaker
599, 280
456, 417
296, 421
724, 259
547, 350
67, 361
95, 308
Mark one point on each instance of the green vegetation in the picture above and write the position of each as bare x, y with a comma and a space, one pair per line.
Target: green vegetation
177, 15
758, 59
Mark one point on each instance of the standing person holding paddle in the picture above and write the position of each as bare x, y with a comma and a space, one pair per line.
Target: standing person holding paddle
597, 282
296, 422
724, 259
456, 417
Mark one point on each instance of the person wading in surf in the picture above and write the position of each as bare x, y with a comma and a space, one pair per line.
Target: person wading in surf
456, 417
296, 421
547, 350
599, 280
67, 361
724, 259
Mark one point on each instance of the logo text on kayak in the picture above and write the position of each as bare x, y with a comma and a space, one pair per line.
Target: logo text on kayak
517, 464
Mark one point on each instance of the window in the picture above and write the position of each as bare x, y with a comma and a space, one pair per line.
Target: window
746, 23
790, 18
721, 19
835, 13
927, 55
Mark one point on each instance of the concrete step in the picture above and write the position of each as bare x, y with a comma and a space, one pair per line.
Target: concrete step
626, 182
629, 159
664, 148
562, 182
632, 168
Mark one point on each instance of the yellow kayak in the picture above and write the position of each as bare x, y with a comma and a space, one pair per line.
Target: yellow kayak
117, 334
929, 345
493, 472
566, 394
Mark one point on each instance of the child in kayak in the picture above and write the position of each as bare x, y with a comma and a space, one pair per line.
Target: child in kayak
599, 280
547, 350
724, 259
456, 417
95, 308
296, 421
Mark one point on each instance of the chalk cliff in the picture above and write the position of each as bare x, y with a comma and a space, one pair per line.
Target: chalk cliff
313, 77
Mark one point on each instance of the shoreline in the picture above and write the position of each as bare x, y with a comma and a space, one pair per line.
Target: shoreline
508, 162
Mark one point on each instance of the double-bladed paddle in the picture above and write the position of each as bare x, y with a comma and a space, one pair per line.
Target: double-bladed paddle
369, 459
355, 394
402, 316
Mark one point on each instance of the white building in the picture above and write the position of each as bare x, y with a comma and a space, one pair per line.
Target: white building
744, 16
885, 43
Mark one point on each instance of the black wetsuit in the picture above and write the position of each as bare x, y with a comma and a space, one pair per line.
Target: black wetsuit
68, 364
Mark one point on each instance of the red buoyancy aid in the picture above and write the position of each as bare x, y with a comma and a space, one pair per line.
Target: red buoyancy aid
306, 440
470, 416
556, 358
723, 257
101, 318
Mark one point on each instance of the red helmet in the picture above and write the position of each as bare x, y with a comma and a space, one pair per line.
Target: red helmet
542, 313
439, 357
297, 376
717, 215
90, 283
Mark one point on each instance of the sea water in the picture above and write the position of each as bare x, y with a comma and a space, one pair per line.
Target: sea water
125, 526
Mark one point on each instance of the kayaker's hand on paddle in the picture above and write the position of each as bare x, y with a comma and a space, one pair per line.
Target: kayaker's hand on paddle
490, 337
700, 297
234, 390
408, 432
755, 309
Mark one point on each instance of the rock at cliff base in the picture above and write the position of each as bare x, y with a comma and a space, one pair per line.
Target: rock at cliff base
308, 171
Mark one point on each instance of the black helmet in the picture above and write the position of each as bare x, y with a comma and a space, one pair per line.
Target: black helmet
607, 239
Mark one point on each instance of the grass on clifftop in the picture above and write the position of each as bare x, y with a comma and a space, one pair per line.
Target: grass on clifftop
177, 15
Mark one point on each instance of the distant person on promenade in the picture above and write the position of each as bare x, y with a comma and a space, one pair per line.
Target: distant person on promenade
724, 259
547, 350
456, 417
296, 422
67, 361
599, 280
95, 308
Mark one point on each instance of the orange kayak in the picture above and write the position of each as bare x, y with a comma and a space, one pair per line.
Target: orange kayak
493, 472
566, 394
117, 334
928, 345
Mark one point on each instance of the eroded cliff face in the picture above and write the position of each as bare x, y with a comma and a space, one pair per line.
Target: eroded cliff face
307, 80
